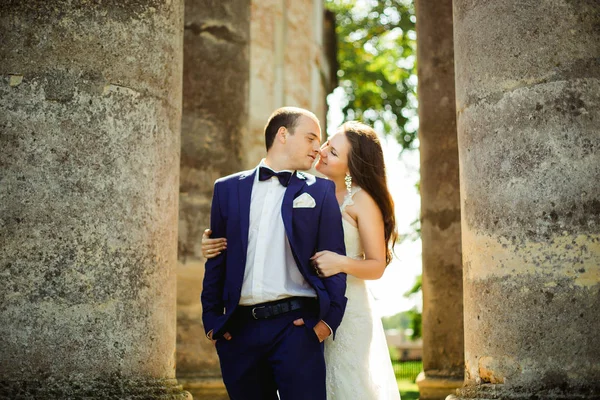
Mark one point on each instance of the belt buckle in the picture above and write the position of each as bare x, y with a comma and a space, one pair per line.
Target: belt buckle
254, 311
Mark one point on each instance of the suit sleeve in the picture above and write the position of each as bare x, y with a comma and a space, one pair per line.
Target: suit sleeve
331, 237
214, 274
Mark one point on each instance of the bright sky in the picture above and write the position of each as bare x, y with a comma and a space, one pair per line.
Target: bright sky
403, 174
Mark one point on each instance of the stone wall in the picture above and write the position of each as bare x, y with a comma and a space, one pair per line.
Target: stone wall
291, 59
214, 123
443, 356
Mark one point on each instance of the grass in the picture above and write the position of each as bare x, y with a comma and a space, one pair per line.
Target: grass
406, 373
407, 370
408, 390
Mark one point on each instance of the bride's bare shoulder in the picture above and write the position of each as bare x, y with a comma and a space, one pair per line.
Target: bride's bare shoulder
362, 203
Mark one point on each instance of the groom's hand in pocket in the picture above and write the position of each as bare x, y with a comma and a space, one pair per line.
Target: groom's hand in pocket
226, 336
321, 329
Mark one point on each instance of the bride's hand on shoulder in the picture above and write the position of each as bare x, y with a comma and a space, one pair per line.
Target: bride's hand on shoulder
327, 263
212, 247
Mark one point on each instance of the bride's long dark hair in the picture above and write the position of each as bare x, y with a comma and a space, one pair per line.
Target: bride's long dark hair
367, 168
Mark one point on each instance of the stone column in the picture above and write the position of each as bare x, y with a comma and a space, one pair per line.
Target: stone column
90, 107
443, 355
528, 101
215, 119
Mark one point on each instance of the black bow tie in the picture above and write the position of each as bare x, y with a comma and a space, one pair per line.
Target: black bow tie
265, 173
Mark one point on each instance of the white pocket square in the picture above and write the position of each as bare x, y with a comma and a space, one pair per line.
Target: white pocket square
305, 200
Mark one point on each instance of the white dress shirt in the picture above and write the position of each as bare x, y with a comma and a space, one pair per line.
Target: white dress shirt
271, 272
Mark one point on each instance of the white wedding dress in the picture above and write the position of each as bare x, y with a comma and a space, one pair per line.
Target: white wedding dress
358, 362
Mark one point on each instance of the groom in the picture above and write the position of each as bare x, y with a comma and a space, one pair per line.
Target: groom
275, 218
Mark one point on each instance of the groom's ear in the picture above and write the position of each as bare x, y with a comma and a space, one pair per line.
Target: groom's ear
282, 133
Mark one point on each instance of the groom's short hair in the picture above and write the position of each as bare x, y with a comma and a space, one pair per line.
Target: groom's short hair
286, 117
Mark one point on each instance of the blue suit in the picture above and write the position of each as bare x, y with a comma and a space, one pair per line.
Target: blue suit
265, 346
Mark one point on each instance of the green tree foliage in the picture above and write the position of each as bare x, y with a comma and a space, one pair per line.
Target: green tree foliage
415, 317
411, 319
376, 42
376, 54
416, 288
416, 323
400, 321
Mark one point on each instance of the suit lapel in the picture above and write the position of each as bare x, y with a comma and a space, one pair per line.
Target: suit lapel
244, 197
287, 206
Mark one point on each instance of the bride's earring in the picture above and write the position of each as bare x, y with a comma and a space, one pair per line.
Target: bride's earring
348, 180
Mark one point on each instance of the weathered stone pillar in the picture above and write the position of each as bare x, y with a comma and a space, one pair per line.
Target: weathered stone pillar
528, 100
443, 355
215, 119
90, 107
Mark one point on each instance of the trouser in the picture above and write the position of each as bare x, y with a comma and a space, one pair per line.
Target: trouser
266, 356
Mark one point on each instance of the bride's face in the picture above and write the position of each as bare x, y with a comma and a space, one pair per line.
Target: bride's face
333, 162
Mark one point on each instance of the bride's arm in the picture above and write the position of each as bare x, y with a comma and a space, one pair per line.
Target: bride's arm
372, 236
212, 247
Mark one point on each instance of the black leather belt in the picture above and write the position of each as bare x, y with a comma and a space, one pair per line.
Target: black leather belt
274, 308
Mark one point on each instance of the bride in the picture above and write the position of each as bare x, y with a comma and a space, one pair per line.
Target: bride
358, 363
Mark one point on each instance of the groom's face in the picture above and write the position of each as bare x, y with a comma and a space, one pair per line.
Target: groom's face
302, 146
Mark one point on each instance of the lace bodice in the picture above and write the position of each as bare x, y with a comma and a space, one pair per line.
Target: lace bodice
351, 236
